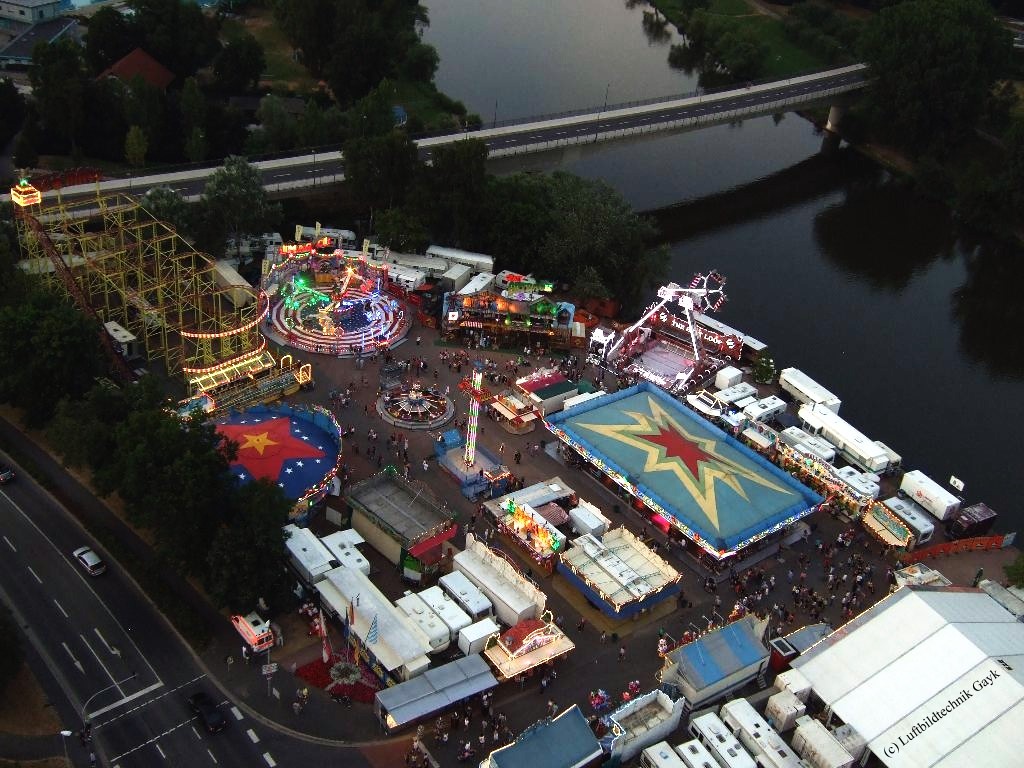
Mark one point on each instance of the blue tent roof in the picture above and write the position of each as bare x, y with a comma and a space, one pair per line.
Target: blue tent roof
715, 487
564, 742
719, 654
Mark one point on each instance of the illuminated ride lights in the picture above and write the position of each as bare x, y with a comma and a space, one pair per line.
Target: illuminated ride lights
24, 194
264, 309
472, 424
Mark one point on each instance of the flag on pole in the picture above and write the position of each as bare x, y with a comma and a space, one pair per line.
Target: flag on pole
327, 653
374, 633
351, 614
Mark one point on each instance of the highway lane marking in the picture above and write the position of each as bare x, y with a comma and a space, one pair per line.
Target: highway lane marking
211, 755
196, 732
270, 761
76, 661
13, 548
78, 572
131, 697
137, 747
235, 711
100, 662
160, 751
252, 736
60, 608
34, 574
113, 651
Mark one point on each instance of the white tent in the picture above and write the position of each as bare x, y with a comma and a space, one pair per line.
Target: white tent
928, 677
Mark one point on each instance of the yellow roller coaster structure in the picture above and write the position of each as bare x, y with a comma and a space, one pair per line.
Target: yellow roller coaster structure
121, 264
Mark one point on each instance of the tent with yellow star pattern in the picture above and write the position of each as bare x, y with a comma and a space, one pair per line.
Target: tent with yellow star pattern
707, 484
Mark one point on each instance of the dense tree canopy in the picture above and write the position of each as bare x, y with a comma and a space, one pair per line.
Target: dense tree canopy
234, 203
933, 63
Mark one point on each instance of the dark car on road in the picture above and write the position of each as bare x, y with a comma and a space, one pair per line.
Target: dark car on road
204, 706
6, 474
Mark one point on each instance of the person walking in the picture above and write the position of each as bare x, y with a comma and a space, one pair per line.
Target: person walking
581, 624
622, 653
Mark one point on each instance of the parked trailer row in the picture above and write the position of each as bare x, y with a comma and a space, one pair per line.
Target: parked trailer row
853, 444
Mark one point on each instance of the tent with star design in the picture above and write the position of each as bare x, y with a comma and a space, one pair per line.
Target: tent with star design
299, 449
714, 489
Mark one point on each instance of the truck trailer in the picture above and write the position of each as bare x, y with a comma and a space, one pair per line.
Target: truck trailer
805, 389
929, 494
852, 443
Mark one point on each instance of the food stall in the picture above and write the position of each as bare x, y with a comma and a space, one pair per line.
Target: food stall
532, 533
512, 414
527, 645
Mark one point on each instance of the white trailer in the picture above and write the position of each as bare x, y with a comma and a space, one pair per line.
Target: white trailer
456, 277
864, 484
783, 709
435, 630
467, 595
406, 277
342, 545
816, 744
728, 377
914, 517
737, 392
929, 494
511, 604
482, 282
473, 639
586, 518
760, 739
447, 610
695, 755
710, 731
813, 445
853, 444
661, 755
765, 409
478, 262
235, 287
308, 555
805, 389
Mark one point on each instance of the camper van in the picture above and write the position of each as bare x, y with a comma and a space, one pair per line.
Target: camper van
479, 262
695, 755
660, 755
759, 738
467, 595
710, 731
447, 610
430, 624
914, 517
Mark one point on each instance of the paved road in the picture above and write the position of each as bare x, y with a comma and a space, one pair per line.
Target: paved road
116, 660
310, 169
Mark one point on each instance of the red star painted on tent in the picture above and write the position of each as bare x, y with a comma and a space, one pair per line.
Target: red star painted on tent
676, 445
264, 446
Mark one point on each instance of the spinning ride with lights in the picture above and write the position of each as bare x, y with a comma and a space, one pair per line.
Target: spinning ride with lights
413, 407
329, 301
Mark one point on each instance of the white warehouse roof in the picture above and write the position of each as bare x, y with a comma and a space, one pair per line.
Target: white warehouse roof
930, 676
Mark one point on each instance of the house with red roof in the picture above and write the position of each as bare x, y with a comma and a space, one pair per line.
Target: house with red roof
141, 64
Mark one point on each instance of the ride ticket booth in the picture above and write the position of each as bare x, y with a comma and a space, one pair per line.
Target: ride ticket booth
254, 631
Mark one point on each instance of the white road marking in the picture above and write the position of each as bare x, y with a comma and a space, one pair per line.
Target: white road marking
13, 548
252, 736
137, 747
211, 755
113, 651
196, 732
36, 575
85, 581
100, 662
160, 751
235, 711
125, 700
60, 607
270, 761
76, 661
143, 704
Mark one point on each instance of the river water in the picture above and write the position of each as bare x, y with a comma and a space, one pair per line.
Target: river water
843, 271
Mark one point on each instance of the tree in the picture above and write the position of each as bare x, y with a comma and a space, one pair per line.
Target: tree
1015, 572
192, 105
12, 110
25, 155
420, 64
50, 351
234, 200
933, 64
278, 127
373, 115
108, 37
380, 168
135, 146
196, 149
401, 230
588, 285
59, 84
246, 561
240, 64
175, 33
310, 27
457, 183
166, 205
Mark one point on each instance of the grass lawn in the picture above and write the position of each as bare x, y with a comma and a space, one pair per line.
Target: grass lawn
730, 8
281, 70
420, 99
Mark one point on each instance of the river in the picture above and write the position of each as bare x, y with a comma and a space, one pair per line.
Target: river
842, 270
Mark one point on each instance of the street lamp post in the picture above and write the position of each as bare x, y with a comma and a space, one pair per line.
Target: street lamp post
64, 738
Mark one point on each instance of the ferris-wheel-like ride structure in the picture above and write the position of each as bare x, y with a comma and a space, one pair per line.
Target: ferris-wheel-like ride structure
668, 345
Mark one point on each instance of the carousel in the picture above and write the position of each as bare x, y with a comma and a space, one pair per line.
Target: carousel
414, 407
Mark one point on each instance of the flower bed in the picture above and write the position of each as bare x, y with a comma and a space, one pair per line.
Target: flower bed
341, 677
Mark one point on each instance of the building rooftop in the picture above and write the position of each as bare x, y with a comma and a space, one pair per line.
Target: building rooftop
411, 512
141, 64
